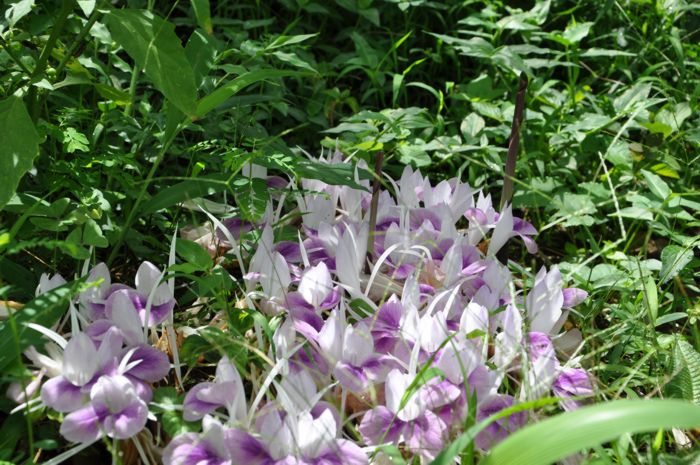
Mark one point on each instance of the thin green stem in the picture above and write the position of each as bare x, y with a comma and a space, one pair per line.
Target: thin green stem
132, 90
76, 43
14, 57
32, 98
142, 193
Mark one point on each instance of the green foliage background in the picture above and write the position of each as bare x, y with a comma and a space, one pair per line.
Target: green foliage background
114, 113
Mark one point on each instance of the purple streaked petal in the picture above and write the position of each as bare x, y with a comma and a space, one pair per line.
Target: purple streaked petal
81, 425
153, 364
194, 408
500, 429
572, 382
573, 296
426, 435
61, 395
189, 449
244, 448
437, 394
350, 377
290, 250
343, 452
126, 423
380, 426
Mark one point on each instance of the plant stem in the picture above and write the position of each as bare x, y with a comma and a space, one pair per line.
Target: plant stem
134, 209
76, 43
376, 184
14, 57
132, 89
514, 142
32, 98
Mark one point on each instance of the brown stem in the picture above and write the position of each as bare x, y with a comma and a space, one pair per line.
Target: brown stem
378, 161
514, 142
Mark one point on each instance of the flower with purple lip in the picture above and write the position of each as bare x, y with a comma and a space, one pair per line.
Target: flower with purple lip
349, 351
115, 410
572, 382
409, 421
226, 391
501, 428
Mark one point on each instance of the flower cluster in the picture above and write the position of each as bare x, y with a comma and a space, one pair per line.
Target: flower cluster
388, 334
365, 315
101, 377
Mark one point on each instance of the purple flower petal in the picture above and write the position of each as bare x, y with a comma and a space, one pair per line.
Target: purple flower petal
81, 425
194, 408
189, 449
572, 382
126, 423
380, 426
61, 395
153, 364
244, 448
426, 435
350, 377
573, 296
500, 429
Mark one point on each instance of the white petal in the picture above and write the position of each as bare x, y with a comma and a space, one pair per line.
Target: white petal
126, 318
330, 338
79, 360
357, 346
147, 277
502, 232
316, 284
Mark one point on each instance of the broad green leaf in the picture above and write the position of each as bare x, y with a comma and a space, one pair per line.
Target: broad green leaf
18, 10
87, 6
413, 155
193, 254
558, 437
202, 12
657, 185
575, 33
673, 259
283, 40
92, 234
231, 88
152, 43
167, 404
201, 52
186, 190
337, 174
472, 125
19, 146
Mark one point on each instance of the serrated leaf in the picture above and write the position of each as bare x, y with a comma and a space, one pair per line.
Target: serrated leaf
252, 196
686, 363
152, 43
19, 147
